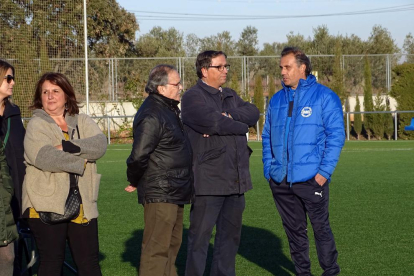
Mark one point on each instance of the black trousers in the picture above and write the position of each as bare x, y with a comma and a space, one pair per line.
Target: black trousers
226, 213
51, 243
293, 203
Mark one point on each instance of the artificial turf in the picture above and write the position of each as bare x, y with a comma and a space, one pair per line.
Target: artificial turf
371, 214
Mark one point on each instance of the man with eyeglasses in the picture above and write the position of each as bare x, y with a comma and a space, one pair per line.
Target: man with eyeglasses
217, 121
160, 168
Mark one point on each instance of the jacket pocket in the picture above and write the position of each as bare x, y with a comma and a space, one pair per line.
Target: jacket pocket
44, 184
211, 154
179, 181
311, 157
96, 181
178, 177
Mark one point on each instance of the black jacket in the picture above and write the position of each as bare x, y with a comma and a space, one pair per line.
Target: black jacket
14, 152
161, 158
221, 161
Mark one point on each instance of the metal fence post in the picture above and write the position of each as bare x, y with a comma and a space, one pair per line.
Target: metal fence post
395, 126
242, 75
258, 131
109, 129
114, 98
109, 79
347, 125
116, 78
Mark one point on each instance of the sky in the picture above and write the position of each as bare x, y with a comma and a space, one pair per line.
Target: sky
285, 16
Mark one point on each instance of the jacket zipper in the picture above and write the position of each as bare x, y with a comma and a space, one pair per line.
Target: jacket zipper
290, 135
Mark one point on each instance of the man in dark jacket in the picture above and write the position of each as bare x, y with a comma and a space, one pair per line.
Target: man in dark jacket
217, 120
302, 140
160, 167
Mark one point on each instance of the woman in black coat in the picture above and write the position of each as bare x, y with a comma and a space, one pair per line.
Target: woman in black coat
12, 168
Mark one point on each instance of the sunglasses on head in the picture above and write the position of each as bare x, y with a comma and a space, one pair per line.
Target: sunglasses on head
9, 78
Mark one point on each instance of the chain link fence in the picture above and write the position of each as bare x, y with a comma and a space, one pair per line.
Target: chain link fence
40, 36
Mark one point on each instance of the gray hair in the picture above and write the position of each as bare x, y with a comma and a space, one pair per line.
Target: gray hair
158, 77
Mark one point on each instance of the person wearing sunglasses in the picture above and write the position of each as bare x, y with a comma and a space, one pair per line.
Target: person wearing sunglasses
217, 121
12, 168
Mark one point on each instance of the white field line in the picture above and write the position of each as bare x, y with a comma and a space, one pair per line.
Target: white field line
259, 155
376, 149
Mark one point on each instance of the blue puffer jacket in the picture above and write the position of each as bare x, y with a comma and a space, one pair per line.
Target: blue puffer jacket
316, 133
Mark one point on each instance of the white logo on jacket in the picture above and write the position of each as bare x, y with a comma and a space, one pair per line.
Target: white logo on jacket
306, 111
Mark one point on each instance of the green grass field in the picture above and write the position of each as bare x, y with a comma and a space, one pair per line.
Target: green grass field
371, 213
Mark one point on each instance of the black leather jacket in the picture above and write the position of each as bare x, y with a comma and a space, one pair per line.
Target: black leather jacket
161, 157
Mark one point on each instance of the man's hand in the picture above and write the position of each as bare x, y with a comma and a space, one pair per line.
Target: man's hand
130, 188
320, 179
226, 115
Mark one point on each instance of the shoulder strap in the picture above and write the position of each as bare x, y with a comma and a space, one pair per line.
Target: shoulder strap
6, 138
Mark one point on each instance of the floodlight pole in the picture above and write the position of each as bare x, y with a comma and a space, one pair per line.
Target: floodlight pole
85, 28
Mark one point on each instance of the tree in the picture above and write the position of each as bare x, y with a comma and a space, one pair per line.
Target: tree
248, 41
378, 118
323, 43
337, 84
353, 71
380, 42
368, 103
353, 45
297, 40
388, 120
220, 42
409, 47
269, 66
402, 91
272, 87
111, 29
161, 43
259, 100
234, 84
192, 45
357, 118
270, 49
44, 30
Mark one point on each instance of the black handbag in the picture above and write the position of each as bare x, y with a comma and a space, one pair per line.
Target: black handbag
72, 205
72, 209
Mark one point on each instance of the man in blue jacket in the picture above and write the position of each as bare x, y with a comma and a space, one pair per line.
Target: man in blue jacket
302, 140
217, 121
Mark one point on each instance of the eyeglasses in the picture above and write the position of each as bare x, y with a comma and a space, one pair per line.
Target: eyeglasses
9, 78
175, 84
221, 67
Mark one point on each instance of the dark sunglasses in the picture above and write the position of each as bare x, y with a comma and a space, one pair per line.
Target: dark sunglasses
9, 78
